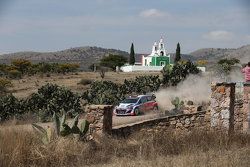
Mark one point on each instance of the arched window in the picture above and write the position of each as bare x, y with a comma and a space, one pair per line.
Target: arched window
162, 53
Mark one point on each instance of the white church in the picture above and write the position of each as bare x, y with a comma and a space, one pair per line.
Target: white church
153, 62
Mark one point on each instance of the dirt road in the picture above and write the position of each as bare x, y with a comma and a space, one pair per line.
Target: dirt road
123, 120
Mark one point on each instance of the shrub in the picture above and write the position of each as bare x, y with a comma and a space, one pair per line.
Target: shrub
85, 81
21, 65
15, 74
4, 84
3, 69
9, 107
67, 67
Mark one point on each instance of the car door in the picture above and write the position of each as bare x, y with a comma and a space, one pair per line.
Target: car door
140, 105
143, 104
150, 103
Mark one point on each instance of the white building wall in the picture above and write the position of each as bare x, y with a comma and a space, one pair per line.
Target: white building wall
141, 68
203, 69
130, 68
146, 61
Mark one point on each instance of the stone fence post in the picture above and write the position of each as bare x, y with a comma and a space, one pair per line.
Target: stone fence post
100, 118
246, 108
222, 106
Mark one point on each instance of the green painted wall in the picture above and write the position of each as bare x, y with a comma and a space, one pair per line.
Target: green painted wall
156, 61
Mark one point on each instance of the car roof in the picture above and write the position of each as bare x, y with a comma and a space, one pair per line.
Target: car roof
144, 95
139, 96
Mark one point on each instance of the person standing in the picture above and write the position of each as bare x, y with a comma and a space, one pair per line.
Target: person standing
246, 71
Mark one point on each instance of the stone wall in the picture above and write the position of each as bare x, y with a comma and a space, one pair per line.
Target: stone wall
238, 115
184, 122
222, 106
100, 118
246, 108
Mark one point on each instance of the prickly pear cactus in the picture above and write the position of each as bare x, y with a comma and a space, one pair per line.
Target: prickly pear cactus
178, 104
53, 98
107, 92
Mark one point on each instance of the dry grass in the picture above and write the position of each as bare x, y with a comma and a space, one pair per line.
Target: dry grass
29, 84
20, 147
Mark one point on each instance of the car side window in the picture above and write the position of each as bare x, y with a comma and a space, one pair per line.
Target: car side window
144, 99
149, 98
139, 102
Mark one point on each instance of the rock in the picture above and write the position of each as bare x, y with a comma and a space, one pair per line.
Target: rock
187, 121
225, 114
190, 103
214, 103
173, 122
178, 125
90, 118
221, 89
186, 112
199, 108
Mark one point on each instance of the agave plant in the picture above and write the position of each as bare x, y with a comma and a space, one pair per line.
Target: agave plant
44, 134
62, 128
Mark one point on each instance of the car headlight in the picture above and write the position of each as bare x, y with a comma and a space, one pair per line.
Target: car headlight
130, 107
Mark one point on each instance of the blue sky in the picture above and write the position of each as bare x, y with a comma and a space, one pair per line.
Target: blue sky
51, 25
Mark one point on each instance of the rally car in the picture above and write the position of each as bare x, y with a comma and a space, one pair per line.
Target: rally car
136, 105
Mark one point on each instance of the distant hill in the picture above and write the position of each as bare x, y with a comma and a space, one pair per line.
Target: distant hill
83, 55
214, 54
89, 55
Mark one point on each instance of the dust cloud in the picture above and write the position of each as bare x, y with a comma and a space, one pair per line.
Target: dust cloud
196, 88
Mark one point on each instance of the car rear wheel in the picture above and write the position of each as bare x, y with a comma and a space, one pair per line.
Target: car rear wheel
136, 111
155, 109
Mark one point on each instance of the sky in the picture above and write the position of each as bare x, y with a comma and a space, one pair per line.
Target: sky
52, 25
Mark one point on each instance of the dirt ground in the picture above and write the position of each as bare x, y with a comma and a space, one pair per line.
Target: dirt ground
29, 84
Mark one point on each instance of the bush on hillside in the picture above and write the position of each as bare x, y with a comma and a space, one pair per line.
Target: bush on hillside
85, 81
14, 74
20, 67
4, 84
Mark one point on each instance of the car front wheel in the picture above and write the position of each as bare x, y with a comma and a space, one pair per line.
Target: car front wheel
136, 111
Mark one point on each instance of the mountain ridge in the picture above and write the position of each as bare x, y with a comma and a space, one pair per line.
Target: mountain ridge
88, 55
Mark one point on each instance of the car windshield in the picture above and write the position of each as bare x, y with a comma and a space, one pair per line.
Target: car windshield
132, 100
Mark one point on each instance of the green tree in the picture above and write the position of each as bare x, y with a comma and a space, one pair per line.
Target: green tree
112, 61
132, 55
178, 53
224, 66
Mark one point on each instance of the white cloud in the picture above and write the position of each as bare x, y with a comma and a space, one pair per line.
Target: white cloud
152, 13
219, 35
248, 37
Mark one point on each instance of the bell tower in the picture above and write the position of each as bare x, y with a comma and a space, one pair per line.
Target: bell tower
161, 50
154, 48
